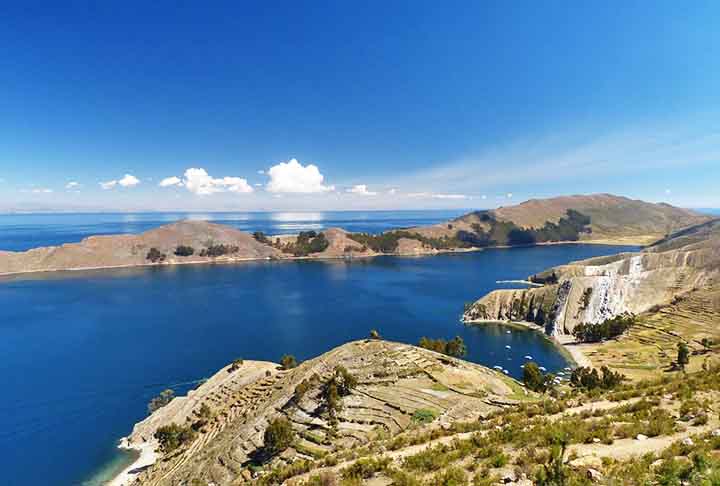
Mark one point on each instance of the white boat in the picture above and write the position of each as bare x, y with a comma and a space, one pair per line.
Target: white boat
527, 356
542, 368
506, 372
508, 332
507, 346
498, 368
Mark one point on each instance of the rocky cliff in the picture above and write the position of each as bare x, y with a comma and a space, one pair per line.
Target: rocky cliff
593, 290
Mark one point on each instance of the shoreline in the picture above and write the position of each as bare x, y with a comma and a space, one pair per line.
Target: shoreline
567, 345
231, 260
147, 455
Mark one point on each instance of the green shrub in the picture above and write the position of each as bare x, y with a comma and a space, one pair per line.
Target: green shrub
278, 436
423, 416
173, 436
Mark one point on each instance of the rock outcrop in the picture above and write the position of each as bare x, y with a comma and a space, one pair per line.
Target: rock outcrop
590, 291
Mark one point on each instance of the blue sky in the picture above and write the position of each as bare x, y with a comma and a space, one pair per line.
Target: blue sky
356, 105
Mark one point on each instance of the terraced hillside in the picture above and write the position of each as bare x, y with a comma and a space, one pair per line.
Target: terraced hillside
398, 387
594, 290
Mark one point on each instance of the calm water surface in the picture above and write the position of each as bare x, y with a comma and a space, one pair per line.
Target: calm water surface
82, 353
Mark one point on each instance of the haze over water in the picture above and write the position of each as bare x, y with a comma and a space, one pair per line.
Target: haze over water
83, 353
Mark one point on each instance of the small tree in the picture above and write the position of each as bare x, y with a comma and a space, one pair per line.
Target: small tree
374, 334
161, 400
683, 355
533, 377
288, 361
278, 436
456, 347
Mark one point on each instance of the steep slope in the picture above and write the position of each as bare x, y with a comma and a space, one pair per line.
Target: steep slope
593, 290
394, 381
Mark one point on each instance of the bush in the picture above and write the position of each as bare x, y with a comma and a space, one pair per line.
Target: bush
455, 347
236, 364
423, 416
184, 251
288, 361
173, 436
307, 242
155, 256
161, 400
278, 436
260, 236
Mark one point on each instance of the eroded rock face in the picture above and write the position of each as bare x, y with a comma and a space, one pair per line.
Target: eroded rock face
591, 291
394, 381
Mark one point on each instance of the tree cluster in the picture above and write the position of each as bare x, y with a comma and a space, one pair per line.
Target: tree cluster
455, 347
288, 361
608, 329
218, 250
590, 379
307, 242
260, 236
184, 251
155, 255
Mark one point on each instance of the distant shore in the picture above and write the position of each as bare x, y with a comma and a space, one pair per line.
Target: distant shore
231, 260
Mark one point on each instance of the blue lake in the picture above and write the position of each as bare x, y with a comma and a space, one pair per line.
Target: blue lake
83, 353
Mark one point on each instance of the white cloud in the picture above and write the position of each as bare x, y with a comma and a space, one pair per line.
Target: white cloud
41, 190
392, 191
171, 181
261, 172
362, 190
128, 180
508, 195
293, 177
668, 191
199, 182
72, 185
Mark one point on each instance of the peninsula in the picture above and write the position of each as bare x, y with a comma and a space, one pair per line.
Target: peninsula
598, 218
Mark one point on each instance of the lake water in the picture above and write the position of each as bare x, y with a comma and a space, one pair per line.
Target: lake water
82, 353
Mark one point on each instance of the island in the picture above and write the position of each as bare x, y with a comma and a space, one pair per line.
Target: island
600, 218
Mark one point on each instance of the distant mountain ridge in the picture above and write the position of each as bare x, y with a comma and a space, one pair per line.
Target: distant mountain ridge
600, 218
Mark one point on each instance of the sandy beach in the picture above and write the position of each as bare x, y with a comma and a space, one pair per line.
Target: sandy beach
147, 457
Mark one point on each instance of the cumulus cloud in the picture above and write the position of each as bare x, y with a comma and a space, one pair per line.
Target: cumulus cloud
293, 177
171, 181
128, 180
72, 185
362, 190
199, 182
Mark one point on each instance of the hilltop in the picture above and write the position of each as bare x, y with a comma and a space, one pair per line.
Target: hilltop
597, 218
396, 388
592, 219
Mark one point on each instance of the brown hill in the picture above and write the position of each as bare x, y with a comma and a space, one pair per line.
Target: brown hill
612, 219
129, 250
